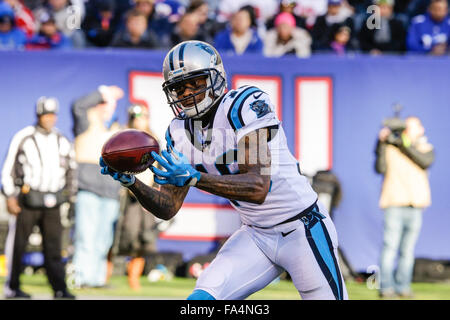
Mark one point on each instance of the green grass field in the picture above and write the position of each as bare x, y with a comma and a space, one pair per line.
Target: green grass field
180, 288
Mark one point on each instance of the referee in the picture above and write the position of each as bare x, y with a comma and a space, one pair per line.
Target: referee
38, 176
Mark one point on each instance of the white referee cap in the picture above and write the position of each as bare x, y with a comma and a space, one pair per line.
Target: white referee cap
46, 105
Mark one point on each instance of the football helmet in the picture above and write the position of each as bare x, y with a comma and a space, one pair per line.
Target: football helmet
187, 61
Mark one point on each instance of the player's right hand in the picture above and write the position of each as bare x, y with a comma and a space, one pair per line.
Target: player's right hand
125, 180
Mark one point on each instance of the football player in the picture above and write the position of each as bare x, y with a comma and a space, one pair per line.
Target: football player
232, 144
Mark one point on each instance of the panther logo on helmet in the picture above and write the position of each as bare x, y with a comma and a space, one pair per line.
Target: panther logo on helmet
206, 48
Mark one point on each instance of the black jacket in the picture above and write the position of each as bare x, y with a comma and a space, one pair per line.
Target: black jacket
147, 41
368, 41
322, 32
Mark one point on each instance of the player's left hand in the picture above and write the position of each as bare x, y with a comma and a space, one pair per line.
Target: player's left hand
179, 171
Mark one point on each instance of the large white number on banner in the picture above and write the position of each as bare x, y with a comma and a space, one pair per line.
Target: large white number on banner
313, 123
269, 84
146, 88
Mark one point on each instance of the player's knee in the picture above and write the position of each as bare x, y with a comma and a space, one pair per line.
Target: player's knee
200, 295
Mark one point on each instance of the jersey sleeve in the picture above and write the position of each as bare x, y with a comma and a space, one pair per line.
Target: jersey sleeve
174, 134
251, 110
12, 161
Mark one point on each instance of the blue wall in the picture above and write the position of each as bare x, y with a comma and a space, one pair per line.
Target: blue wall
364, 89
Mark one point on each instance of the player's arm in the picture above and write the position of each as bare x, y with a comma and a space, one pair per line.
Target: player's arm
163, 203
252, 183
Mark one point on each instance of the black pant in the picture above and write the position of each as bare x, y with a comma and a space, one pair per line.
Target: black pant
49, 222
137, 230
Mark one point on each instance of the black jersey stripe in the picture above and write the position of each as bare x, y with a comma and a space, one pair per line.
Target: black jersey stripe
171, 61
235, 125
181, 55
239, 113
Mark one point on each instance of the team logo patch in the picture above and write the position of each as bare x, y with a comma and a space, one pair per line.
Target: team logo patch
145, 158
205, 47
260, 107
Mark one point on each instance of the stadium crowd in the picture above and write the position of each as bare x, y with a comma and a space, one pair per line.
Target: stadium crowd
270, 27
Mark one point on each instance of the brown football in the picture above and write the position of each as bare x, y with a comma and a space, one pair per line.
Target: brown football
129, 151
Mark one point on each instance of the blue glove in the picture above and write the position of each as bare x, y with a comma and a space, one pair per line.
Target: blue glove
179, 172
125, 180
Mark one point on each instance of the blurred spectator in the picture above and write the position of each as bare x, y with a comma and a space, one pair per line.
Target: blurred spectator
360, 6
401, 6
310, 10
417, 7
430, 33
68, 15
240, 37
33, 4
147, 8
38, 176
389, 37
264, 10
340, 44
287, 6
201, 8
23, 17
10, 37
209, 27
287, 38
120, 6
213, 7
187, 28
101, 23
172, 10
48, 36
158, 22
97, 206
403, 157
137, 230
136, 34
336, 16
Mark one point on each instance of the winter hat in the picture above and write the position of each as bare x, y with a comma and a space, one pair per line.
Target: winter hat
285, 17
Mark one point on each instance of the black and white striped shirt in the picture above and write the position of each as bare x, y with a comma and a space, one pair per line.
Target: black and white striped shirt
44, 161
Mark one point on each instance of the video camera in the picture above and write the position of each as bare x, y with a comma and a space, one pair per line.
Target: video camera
395, 124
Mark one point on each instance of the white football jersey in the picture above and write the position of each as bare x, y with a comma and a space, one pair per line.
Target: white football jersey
214, 151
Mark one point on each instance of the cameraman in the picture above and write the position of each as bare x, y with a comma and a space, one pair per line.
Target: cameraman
402, 156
